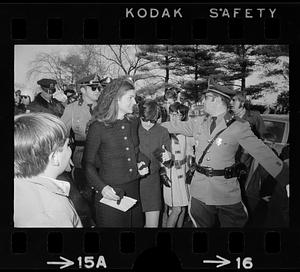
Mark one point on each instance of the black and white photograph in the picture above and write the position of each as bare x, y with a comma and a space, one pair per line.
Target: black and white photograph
151, 136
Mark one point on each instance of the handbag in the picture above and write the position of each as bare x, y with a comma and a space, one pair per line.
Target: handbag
190, 173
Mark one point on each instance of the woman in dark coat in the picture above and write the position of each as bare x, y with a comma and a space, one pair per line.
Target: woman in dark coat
152, 137
113, 137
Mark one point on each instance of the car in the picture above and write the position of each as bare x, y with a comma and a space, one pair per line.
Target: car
277, 130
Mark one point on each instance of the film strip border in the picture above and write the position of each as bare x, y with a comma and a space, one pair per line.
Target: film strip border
134, 248
132, 23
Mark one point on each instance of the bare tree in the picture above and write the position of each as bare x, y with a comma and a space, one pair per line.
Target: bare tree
68, 69
125, 60
47, 65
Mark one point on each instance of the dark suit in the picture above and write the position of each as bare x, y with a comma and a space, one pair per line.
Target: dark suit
117, 147
39, 104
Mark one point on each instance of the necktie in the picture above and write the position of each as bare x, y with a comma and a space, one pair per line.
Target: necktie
213, 124
90, 106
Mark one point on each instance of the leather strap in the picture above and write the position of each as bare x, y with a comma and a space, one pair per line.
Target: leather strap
212, 141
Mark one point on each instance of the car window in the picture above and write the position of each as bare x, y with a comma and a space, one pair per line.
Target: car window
275, 130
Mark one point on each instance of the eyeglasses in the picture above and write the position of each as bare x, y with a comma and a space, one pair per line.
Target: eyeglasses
176, 114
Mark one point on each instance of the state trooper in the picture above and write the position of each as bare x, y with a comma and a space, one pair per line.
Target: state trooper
78, 114
215, 190
44, 101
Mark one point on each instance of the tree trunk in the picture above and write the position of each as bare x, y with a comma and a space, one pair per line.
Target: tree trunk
167, 70
243, 51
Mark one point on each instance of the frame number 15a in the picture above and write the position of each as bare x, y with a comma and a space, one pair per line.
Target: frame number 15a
91, 262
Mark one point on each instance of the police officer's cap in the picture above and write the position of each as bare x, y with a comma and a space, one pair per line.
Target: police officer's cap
47, 83
221, 90
105, 81
91, 80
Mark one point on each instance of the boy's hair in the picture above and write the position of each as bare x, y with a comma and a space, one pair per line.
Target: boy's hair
149, 110
36, 136
241, 96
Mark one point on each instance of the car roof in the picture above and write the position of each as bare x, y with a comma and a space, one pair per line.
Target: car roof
276, 117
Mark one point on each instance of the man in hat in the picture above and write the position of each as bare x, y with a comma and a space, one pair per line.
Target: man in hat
76, 116
215, 190
44, 101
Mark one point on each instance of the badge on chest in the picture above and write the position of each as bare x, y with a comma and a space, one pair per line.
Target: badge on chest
219, 141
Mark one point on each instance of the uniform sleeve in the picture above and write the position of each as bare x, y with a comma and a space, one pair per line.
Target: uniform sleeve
261, 152
92, 145
260, 125
180, 127
67, 118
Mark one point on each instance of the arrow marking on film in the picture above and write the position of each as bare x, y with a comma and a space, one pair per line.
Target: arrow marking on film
65, 263
222, 261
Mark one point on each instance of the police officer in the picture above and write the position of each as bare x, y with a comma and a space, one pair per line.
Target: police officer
215, 190
78, 114
44, 101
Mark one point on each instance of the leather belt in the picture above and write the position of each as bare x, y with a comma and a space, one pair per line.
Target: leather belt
228, 172
178, 163
79, 143
209, 172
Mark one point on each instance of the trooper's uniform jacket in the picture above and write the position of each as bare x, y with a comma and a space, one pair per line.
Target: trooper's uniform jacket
76, 116
41, 105
217, 190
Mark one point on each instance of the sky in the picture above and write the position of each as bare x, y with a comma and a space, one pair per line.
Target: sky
24, 54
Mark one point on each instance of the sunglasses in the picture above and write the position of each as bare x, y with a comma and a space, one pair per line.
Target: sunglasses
94, 88
151, 121
50, 91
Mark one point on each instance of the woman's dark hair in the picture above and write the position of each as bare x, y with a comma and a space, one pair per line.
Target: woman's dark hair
149, 110
171, 93
180, 108
107, 107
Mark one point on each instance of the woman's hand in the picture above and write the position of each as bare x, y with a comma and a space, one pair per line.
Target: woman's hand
109, 193
166, 155
142, 170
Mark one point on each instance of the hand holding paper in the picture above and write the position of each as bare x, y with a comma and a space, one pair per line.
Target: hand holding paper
125, 204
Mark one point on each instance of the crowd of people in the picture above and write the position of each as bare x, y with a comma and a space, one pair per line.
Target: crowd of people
106, 143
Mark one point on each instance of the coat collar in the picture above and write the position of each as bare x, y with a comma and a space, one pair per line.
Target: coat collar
222, 121
53, 185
